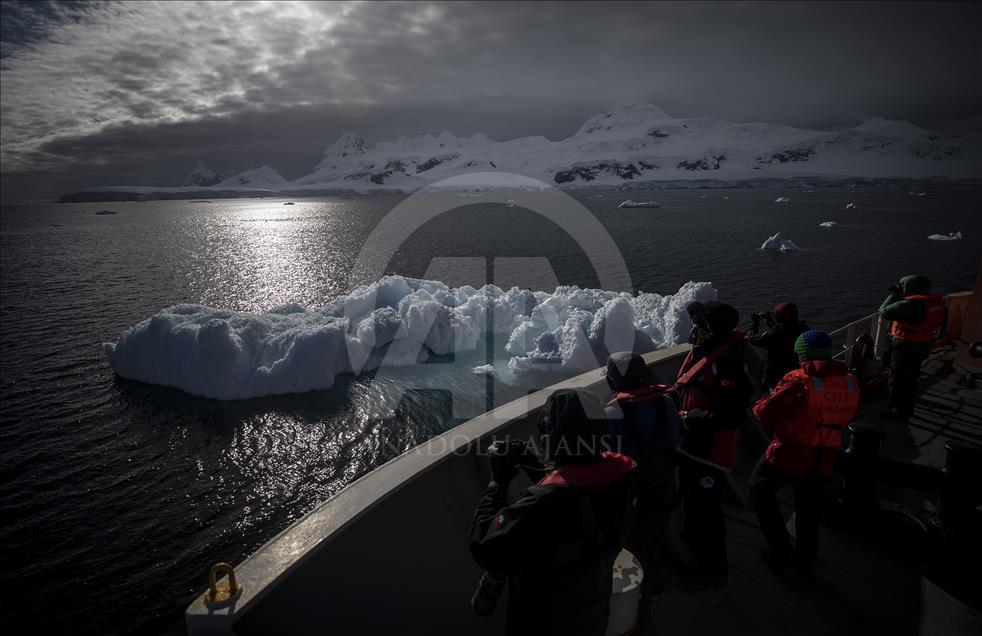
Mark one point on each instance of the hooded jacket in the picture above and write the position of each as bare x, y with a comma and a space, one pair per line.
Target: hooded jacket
897, 307
778, 341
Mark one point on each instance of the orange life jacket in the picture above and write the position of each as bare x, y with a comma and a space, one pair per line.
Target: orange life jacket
697, 380
807, 443
926, 330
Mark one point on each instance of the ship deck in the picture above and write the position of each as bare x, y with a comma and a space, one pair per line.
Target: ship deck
864, 582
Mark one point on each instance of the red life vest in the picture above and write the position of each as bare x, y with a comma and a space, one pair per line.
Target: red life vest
593, 475
642, 394
699, 381
808, 442
926, 330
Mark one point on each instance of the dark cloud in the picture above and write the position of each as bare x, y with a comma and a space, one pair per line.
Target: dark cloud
120, 93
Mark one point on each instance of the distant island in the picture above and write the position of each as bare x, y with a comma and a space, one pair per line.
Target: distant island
634, 147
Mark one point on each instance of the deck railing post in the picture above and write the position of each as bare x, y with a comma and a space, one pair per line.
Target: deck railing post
879, 334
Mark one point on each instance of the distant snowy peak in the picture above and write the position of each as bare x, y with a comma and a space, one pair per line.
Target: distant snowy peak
264, 177
202, 175
623, 117
349, 145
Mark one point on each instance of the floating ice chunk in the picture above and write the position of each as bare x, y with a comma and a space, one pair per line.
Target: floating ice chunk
950, 236
918, 194
782, 200
850, 206
484, 369
778, 243
639, 204
394, 322
828, 224
725, 197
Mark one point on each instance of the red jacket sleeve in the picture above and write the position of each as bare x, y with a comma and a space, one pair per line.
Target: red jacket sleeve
779, 408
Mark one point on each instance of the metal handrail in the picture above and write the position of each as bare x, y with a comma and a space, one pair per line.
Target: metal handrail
876, 331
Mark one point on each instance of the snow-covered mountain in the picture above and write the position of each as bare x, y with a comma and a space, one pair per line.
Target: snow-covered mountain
202, 175
629, 146
263, 177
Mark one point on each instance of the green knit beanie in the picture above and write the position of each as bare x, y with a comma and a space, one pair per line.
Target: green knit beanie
813, 345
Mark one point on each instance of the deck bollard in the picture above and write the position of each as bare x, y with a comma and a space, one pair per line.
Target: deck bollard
961, 491
862, 455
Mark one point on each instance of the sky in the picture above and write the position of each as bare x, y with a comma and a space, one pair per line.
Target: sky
125, 93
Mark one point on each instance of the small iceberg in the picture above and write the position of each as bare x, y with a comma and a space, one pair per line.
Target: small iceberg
725, 197
918, 194
828, 224
484, 369
778, 243
639, 204
288, 203
782, 200
703, 196
100, 212
950, 236
850, 206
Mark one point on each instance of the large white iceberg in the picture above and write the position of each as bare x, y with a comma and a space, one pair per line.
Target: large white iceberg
778, 243
639, 204
396, 321
950, 236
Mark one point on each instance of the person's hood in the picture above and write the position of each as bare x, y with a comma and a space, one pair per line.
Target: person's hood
785, 312
714, 321
915, 284
571, 424
626, 371
824, 368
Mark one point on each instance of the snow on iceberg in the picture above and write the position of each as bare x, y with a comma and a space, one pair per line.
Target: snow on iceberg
639, 204
950, 236
827, 224
778, 243
396, 321
782, 200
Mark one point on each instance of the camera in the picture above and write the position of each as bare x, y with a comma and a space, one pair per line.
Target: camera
510, 451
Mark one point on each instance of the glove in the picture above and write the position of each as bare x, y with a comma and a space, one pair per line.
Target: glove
501, 456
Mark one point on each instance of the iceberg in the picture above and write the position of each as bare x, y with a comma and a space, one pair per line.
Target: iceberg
782, 200
396, 321
778, 243
639, 204
828, 224
484, 369
950, 236
850, 206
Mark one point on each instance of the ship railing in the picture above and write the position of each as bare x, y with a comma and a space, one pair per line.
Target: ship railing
872, 324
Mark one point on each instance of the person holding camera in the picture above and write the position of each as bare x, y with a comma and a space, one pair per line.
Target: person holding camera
557, 544
918, 317
777, 340
645, 426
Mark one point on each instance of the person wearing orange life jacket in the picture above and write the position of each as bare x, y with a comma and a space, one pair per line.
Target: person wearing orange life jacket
714, 393
806, 413
918, 317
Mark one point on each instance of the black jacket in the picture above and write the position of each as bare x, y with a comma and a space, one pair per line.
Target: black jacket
778, 342
557, 544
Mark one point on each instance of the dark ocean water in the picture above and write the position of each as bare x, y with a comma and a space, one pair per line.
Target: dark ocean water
117, 496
